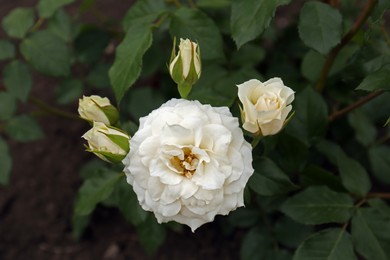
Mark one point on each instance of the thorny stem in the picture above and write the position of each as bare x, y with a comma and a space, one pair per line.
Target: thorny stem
52, 110
344, 41
337, 114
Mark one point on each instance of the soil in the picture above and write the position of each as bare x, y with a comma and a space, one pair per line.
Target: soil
36, 207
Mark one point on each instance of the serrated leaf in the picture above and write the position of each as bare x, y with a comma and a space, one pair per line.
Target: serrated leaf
95, 190
61, 25
143, 12
380, 162
17, 79
18, 21
255, 244
328, 244
6, 163
7, 50
370, 234
198, 27
47, 8
128, 59
291, 233
251, 17
378, 80
320, 26
151, 234
315, 175
268, 179
7, 105
24, 128
36, 48
68, 91
319, 205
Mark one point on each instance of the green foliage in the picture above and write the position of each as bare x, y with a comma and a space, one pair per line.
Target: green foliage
24, 128
17, 79
60, 24
7, 50
18, 22
69, 90
378, 80
7, 105
6, 163
380, 162
47, 8
151, 234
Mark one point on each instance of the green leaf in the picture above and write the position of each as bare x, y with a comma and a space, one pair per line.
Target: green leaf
319, 205
268, 179
98, 76
17, 79
387, 122
7, 50
128, 59
36, 50
292, 154
151, 234
255, 244
24, 128
143, 12
251, 17
370, 234
7, 105
328, 244
364, 128
79, 224
198, 27
380, 162
47, 8
95, 190
68, 91
311, 116
244, 217
90, 44
61, 25
381, 206
378, 80
314, 175
249, 55
290, 233
6, 163
142, 101
18, 21
320, 26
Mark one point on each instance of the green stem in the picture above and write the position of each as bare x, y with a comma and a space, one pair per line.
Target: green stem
160, 21
344, 41
52, 110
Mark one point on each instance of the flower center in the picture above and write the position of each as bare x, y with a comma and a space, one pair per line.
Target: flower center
185, 165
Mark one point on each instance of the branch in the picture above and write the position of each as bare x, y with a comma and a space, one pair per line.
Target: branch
379, 195
353, 106
52, 110
344, 41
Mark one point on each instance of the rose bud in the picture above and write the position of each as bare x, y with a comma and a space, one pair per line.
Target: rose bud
108, 143
185, 66
266, 105
95, 108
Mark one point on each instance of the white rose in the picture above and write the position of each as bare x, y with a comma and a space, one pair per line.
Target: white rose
265, 105
108, 143
189, 162
95, 108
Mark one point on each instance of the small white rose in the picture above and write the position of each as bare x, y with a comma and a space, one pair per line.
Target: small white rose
266, 105
95, 108
108, 143
189, 162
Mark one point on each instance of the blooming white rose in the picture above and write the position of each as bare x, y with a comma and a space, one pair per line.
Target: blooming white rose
265, 105
108, 143
189, 162
95, 108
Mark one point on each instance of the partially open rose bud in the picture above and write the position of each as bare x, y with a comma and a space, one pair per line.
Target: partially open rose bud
185, 66
95, 108
266, 105
108, 143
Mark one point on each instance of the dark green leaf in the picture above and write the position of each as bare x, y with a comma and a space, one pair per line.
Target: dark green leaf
7, 105
17, 79
143, 100
244, 217
320, 26
7, 50
380, 162
61, 25
319, 205
151, 234
47, 53
255, 244
292, 154
213, 4
95, 190
381, 206
328, 244
290, 233
24, 129
68, 91
18, 21
198, 27
387, 122
144, 12
47, 8
79, 224
370, 234
90, 44
314, 175
98, 76
378, 80
268, 179
364, 128
250, 18
249, 55
6, 163
128, 59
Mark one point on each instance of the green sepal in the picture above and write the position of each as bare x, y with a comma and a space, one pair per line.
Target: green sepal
177, 71
109, 157
184, 89
173, 53
121, 141
192, 76
111, 113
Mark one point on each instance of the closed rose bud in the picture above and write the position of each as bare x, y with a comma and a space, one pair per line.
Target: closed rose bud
108, 143
95, 108
185, 66
265, 105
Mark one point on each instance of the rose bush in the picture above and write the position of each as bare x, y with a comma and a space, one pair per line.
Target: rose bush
189, 162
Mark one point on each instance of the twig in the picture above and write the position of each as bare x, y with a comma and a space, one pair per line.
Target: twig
382, 195
353, 106
52, 110
344, 41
